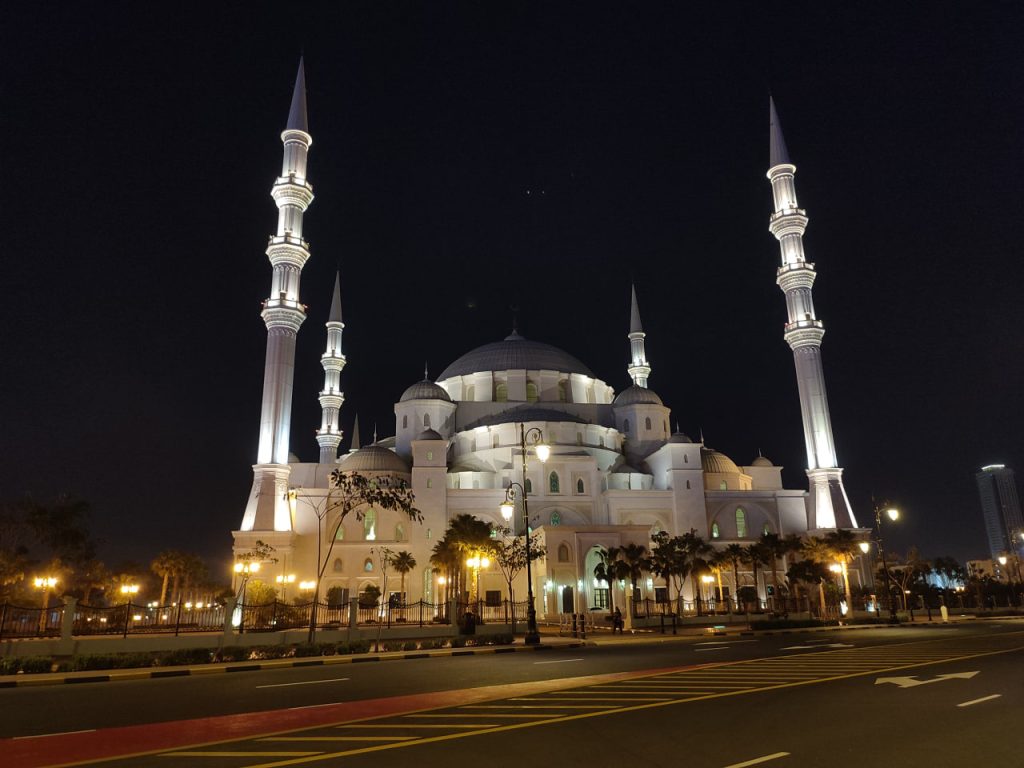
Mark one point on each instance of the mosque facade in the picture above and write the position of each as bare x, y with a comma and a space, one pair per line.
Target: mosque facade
617, 474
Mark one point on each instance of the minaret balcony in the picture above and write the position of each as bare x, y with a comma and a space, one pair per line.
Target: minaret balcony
289, 250
789, 221
291, 190
332, 362
797, 275
288, 315
804, 333
331, 400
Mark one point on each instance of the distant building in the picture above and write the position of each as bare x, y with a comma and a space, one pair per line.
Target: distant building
979, 569
1000, 505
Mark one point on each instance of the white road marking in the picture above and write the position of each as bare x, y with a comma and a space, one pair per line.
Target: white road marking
558, 661
978, 701
313, 706
725, 642
910, 682
815, 647
305, 682
719, 648
62, 733
759, 760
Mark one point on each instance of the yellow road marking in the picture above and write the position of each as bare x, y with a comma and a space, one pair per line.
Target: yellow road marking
338, 738
238, 754
758, 760
455, 714
415, 725
534, 706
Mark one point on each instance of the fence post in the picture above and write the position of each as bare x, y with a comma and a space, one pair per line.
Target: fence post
421, 612
229, 615
353, 612
177, 618
127, 616
67, 620
3, 619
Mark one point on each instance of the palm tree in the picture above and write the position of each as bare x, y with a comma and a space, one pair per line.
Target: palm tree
636, 560
611, 569
403, 562
717, 563
809, 572
167, 565
756, 555
736, 555
816, 550
445, 560
777, 547
842, 544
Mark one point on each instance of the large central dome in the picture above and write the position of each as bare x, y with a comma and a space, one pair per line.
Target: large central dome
515, 353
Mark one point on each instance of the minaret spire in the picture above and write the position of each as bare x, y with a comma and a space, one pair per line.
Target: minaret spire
283, 314
331, 397
803, 333
639, 369
355, 434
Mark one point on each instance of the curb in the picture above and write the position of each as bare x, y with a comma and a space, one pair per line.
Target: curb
73, 678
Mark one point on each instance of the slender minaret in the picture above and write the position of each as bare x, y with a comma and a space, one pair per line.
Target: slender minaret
331, 398
639, 369
830, 506
268, 509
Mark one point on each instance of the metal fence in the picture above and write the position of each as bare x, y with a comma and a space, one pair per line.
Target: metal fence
133, 619
19, 621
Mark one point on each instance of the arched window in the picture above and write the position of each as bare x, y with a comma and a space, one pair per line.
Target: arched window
741, 523
405, 421
723, 486
766, 529
556, 518
563, 391
426, 421
715, 533
339, 535
430, 455
686, 459
625, 425
368, 565
430, 482
501, 392
370, 525
428, 584
687, 485
579, 486
563, 553
430, 533
579, 438
399, 532
495, 442
338, 565
531, 392
471, 392
601, 442
529, 486
647, 423
553, 485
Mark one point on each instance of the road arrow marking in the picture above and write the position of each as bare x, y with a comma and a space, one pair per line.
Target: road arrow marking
815, 647
910, 682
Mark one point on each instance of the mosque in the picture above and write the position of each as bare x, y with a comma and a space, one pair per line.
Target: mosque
617, 473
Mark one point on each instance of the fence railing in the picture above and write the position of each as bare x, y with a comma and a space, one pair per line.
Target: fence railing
22, 621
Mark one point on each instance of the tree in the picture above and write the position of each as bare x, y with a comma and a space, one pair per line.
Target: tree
445, 559
755, 555
696, 552
777, 547
736, 554
165, 565
611, 569
468, 536
636, 560
842, 544
669, 561
403, 562
509, 554
810, 572
817, 550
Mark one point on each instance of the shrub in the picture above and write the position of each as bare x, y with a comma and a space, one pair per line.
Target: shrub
359, 646
308, 649
111, 661
184, 656
410, 645
328, 649
36, 664
10, 665
393, 645
787, 623
232, 653
459, 642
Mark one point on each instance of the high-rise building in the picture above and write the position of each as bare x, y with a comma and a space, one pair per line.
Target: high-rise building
1000, 505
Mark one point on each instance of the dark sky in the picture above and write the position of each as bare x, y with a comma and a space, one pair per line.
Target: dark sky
467, 159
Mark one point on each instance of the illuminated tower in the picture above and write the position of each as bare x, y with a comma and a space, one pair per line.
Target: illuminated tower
639, 369
830, 506
268, 509
331, 398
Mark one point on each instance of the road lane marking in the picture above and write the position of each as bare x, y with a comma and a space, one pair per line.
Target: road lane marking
815, 647
338, 738
304, 682
417, 725
722, 648
239, 754
558, 661
489, 714
62, 733
978, 701
534, 706
910, 682
725, 642
759, 760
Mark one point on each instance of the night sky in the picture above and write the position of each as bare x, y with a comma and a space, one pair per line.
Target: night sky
471, 159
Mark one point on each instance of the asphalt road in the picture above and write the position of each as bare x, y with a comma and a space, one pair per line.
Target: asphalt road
802, 699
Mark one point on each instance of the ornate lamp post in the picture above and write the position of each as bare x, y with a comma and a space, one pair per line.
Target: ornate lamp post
533, 437
893, 514
45, 584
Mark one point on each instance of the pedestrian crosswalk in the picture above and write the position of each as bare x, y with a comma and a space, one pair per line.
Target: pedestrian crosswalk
584, 700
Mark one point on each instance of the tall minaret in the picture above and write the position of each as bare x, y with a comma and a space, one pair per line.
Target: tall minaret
268, 508
639, 369
830, 506
331, 398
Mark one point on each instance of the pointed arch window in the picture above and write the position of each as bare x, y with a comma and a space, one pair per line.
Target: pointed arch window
501, 392
339, 535
715, 533
563, 391
405, 421
529, 486
338, 565
647, 423
579, 486
625, 425
563, 553
370, 525
741, 523
430, 482
687, 485
471, 392
399, 532
766, 529
531, 392
426, 421
368, 565
553, 484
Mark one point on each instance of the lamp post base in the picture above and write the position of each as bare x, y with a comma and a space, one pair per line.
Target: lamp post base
532, 635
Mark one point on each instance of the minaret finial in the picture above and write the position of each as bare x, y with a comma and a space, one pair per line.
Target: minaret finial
355, 434
702, 435
777, 152
426, 371
639, 369
375, 433
335, 315
297, 114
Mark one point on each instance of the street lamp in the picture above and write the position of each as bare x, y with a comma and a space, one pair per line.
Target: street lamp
893, 514
533, 437
44, 583
246, 568
477, 562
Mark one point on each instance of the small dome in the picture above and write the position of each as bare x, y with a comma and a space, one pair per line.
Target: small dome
429, 434
717, 462
679, 437
373, 458
635, 395
425, 390
761, 461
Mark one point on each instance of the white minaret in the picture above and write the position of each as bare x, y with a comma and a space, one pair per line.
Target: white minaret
830, 506
331, 398
639, 369
268, 508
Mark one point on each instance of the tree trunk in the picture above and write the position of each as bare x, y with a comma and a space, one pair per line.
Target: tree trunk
163, 589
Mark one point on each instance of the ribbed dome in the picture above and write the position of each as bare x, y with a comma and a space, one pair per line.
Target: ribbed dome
429, 434
425, 390
514, 353
635, 395
373, 458
715, 461
761, 461
679, 437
